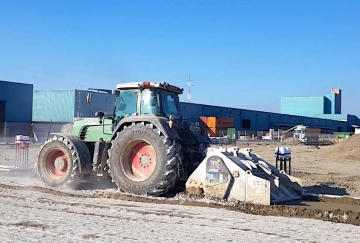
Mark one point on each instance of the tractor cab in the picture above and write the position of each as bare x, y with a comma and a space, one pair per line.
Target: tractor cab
147, 99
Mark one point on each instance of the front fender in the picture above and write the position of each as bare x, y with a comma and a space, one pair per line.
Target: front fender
82, 151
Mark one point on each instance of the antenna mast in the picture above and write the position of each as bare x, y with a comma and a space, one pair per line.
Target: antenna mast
189, 85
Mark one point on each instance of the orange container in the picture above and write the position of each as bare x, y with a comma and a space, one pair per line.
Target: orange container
223, 122
220, 122
212, 131
202, 121
211, 121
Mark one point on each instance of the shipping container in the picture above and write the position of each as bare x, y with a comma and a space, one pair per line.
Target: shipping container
312, 130
231, 132
212, 132
342, 134
219, 122
223, 122
211, 121
203, 121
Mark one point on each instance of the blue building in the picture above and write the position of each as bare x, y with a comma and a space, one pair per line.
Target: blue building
324, 107
15, 102
329, 104
15, 109
62, 106
260, 120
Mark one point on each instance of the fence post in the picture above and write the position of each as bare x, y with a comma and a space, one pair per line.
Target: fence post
49, 130
22, 151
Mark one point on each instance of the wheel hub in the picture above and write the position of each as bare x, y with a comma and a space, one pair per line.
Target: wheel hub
145, 160
139, 160
59, 163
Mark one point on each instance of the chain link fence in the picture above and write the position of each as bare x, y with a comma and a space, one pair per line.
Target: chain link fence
8, 131
20, 143
274, 137
38, 132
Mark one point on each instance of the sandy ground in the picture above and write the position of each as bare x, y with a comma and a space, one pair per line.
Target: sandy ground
30, 213
327, 169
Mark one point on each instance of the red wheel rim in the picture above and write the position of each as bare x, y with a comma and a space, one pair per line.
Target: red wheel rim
56, 164
139, 160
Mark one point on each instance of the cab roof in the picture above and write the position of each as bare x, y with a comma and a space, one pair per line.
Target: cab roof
160, 85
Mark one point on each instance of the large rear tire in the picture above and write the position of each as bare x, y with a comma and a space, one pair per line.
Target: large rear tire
144, 162
58, 163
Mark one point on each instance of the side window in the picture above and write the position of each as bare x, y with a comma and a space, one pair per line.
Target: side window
126, 103
169, 105
149, 103
172, 105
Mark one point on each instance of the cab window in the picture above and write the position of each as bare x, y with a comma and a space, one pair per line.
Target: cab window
150, 104
126, 103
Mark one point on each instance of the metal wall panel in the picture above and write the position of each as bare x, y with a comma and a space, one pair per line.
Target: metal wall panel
336, 100
302, 106
327, 105
99, 102
67, 105
337, 104
19, 99
332, 100
64, 106
258, 120
54, 105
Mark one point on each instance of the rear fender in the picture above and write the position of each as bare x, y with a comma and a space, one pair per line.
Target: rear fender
159, 122
192, 133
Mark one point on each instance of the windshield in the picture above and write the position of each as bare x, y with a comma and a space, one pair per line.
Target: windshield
126, 103
170, 105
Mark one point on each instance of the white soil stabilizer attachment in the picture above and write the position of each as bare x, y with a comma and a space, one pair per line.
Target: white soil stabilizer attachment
236, 174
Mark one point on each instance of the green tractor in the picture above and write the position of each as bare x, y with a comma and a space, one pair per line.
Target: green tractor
144, 147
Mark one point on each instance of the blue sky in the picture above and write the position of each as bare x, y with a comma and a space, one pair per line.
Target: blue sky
244, 54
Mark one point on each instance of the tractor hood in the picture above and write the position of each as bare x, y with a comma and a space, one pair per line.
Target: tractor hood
89, 129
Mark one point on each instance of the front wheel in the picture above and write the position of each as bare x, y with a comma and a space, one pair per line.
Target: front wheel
142, 161
56, 164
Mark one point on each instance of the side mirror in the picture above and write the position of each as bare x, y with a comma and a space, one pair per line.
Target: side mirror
88, 97
115, 92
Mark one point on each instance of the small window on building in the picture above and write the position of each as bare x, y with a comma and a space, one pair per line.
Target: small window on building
246, 124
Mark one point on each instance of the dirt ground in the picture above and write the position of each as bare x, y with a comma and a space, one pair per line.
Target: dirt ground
332, 169
34, 213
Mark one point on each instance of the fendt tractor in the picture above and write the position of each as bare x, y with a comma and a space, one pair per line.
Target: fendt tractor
145, 146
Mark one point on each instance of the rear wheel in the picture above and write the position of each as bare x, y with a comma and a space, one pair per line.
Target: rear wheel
142, 161
57, 163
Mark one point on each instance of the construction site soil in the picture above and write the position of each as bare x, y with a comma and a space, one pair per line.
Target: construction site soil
325, 170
